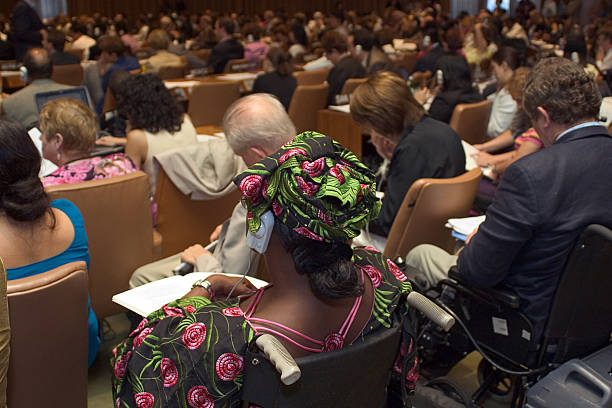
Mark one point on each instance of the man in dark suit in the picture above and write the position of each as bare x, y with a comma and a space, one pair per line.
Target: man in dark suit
545, 200
345, 66
226, 49
28, 30
55, 45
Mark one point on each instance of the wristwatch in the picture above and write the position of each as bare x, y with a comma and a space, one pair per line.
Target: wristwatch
203, 283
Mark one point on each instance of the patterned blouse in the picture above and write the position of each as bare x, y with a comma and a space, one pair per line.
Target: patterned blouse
94, 168
190, 352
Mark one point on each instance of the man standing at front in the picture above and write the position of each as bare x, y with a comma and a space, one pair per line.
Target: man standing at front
545, 200
28, 30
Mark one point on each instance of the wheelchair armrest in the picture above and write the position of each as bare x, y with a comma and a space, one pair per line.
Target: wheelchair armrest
503, 295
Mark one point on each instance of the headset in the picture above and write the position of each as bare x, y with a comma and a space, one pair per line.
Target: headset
258, 241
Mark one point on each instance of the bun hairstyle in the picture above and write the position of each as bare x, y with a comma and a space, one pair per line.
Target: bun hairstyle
328, 266
22, 196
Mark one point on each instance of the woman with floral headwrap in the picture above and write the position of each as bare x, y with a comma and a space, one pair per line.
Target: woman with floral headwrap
323, 295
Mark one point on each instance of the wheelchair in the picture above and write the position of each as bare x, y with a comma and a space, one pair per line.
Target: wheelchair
489, 321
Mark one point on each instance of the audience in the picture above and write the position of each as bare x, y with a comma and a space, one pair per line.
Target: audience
56, 40
415, 144
227, 47
159, 41
345, 66
69, 131
255, 49
155, 120
37, 235
279, 81
320, 300
21, 105
503, 62
80, 40
542, 203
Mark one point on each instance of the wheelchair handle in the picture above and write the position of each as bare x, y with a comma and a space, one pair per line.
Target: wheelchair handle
432, 311
280, 357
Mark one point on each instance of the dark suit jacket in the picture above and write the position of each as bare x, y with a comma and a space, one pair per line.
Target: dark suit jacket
431, 149
347, 67
64, 58
281, 86
223, 52
541, 206
26, 26
428, 61
444, 103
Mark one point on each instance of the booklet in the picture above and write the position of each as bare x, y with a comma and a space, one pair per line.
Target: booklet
462, 227
148, 298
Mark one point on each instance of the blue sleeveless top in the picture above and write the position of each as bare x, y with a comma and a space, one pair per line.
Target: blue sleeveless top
77, 251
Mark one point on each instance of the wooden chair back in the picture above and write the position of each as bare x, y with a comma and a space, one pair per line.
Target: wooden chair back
306, 101
315, 77
427, 206
208, 101
68, 74
351, 84
172, 71
470, 121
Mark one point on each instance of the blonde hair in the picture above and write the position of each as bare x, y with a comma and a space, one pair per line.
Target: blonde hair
385, 104
73, 120
159, 40
516, 83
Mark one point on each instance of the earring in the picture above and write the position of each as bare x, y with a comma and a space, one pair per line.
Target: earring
59, 156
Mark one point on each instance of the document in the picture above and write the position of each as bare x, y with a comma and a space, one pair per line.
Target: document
148, 298
341, 108
462, 227
470, 162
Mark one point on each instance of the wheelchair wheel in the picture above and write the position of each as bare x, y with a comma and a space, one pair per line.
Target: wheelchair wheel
502, 389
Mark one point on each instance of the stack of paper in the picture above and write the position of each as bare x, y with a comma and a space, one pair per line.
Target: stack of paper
470, 162
341, 108
462, 227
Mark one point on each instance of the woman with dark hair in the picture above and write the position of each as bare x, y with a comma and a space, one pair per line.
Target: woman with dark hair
35, 235
504, 62
298, 40
155, 120
323, 295
279, 81
454, 88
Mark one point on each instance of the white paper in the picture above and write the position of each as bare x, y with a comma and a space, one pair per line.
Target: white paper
181, 84
205, 138
465, 225
341, 108
500, 326
470, 162
148, 298
238, 76
46, 167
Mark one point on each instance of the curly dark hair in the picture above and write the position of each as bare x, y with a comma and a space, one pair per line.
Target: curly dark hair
564, 89
146, 102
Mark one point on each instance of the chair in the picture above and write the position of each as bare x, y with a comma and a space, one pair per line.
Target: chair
49, 338
407, 60
109, 101
172, 71
117, 215
76, 51
183, 221
351, 84
68, 74
427, 205
306, 101
202, 54
470, 121
354, 376
315, 77
208, 101
240, 65
580, 319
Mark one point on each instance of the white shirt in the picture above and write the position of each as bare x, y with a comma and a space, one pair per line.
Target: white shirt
83, 43
502, 112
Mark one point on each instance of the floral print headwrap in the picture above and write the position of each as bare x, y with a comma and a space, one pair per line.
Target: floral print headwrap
314, 186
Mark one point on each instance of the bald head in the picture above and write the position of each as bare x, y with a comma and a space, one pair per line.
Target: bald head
38, 63
257, 120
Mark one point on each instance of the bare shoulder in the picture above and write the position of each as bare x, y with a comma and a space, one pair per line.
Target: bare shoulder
136, 146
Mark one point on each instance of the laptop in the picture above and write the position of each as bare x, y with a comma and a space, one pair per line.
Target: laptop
79, 93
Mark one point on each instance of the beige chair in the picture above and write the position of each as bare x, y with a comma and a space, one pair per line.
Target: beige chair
202, 54
172, 71
68, 74
109, 101
209, 101
351, 84
76, 51
315, 77
470, 121
183, 221
49, 338
306, 101
427, 205
118, 221
240, 65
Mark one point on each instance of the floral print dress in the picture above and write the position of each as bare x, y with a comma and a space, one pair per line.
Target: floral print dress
94, 168
190, 352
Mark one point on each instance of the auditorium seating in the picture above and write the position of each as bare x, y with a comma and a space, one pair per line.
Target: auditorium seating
315, 77
470, 121
306, 101
68, 74
351, 84
208, 101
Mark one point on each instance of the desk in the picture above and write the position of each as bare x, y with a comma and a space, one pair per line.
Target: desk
340, 127
246, 80
11, 80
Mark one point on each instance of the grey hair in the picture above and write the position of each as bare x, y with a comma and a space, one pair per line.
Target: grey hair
257, 120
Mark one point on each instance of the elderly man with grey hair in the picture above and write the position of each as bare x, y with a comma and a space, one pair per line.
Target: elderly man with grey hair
255, 126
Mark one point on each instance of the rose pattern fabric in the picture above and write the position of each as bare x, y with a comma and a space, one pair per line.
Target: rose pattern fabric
95, 168
194, 335
396, 271
169, 373
310, 176
198, 397
228, 366
333, 342
212, 342
141, 336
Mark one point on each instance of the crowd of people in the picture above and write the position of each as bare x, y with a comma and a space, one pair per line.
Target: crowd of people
545, 72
